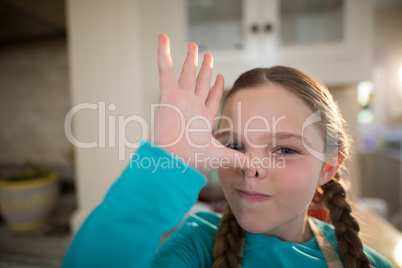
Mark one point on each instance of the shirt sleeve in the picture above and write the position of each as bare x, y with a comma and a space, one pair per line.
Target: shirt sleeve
149, 199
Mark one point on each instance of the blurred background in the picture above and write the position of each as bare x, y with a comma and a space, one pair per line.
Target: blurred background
101, 54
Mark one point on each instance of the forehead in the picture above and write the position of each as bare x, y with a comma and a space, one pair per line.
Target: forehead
270, 102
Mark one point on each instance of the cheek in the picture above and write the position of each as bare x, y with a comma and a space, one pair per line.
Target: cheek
297, 180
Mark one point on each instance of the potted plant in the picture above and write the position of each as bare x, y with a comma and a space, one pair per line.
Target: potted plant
28, 198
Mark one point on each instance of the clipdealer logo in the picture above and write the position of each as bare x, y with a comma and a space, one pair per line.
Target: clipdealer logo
114, 135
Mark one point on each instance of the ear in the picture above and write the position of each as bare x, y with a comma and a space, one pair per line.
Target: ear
330, 168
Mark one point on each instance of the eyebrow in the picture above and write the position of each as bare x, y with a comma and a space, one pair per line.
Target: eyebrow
269, 136
286, 136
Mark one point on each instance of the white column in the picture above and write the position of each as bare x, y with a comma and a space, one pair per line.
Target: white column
105, 60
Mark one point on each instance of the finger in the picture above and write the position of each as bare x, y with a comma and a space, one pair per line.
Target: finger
234, 159
167, 77
204, 77
215, 95
189, 71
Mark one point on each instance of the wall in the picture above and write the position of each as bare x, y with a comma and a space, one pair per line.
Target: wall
34, 99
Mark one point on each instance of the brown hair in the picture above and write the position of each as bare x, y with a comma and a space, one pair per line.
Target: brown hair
317, 97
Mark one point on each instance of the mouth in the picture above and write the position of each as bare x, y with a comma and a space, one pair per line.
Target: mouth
253, 196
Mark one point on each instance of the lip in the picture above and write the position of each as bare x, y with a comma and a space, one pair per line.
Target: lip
253, 196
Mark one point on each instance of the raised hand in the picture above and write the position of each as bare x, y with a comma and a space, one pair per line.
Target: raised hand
185, 117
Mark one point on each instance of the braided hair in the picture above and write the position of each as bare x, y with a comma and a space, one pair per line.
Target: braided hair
227, 240
347, 228
317, 97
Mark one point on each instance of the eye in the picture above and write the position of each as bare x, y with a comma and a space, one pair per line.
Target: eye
234, 146
285, 151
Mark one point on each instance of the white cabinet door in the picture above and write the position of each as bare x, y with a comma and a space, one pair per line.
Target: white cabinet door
330, 42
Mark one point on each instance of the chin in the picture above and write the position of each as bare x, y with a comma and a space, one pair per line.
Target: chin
253, 226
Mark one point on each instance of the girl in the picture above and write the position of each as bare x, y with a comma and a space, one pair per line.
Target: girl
279, 138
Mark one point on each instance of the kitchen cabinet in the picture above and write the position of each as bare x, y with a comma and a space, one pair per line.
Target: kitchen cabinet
329, 39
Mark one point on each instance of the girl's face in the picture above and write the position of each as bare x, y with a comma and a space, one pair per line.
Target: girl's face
267, 123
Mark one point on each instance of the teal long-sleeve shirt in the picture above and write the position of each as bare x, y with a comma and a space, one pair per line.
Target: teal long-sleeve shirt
150, 198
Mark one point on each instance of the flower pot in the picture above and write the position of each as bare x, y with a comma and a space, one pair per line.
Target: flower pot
26, 205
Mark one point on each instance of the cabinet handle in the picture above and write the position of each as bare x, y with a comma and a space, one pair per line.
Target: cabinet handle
254, 28
268, 27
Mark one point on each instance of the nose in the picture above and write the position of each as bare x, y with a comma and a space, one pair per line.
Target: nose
260, 171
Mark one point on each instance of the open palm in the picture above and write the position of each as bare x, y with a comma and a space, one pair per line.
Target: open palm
184, 121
